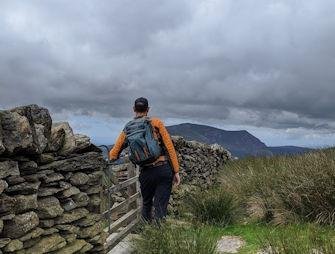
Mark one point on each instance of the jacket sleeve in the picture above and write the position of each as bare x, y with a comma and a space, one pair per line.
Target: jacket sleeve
168, 144
118, 147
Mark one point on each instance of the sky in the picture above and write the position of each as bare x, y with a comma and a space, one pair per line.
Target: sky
266, 66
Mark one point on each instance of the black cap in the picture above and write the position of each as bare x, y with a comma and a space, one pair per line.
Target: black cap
141, 104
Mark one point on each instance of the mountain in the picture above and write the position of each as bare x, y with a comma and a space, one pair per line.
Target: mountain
239, 143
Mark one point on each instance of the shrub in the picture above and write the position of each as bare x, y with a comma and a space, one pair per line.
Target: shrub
286, 187
214, 206
174, 239
294, 240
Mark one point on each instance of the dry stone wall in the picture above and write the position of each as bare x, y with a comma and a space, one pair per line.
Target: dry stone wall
50, 182
199, 167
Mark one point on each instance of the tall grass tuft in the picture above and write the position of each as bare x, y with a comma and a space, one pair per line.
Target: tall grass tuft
285, 188
214, 206
174, 239
294, 240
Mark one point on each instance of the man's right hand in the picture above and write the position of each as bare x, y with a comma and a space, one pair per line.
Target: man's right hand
176, 179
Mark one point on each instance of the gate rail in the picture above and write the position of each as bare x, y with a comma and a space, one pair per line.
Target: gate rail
124, 216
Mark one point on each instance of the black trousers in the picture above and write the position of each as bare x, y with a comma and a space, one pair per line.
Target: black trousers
156, 185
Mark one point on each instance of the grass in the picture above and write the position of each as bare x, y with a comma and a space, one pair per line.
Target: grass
286, 203
173, 239
214, 206
285, 188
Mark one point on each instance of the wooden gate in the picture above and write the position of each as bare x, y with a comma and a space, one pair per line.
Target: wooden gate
122, 201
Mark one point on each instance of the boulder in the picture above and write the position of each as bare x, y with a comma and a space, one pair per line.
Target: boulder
71, 216
68, 229
46, 158
49, 207
47, 244
20, 225
9, 168
44, 192
1, 226
50, 231
53, 177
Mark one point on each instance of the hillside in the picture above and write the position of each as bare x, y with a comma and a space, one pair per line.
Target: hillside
239, 143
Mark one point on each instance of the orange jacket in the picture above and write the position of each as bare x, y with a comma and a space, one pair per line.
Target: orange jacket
159, 126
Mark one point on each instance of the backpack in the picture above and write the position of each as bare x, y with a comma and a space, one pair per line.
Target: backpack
144, 146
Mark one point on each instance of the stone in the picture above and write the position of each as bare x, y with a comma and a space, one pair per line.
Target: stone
18, 137
4, 242
44, 192
68, 228
86, 248
7, 204
69, 141
70, 192
28, 167
3, 185
69, 205
13, 245
36, 232
89, 162
73, 247
91, 231
40, 123
69, 237
53, 177
89, 220
25, 203
31, 242
92, 189
20, 225
13, 180
8, 217
94, 203
1, 226
50, 231
81, 199
47, 244
82, 142
79, 179
230, 244
94, 178
23, 188
71, 216
9, 168
57, 138
49, 207
2, 147
46, 223
46, 158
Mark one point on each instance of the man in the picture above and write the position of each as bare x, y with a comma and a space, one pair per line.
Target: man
156, 176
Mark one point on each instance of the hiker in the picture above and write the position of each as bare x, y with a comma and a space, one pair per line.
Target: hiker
151, 148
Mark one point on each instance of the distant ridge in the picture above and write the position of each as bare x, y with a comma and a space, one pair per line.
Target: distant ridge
240, 143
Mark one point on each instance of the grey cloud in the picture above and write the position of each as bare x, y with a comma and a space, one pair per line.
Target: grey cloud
264, 63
